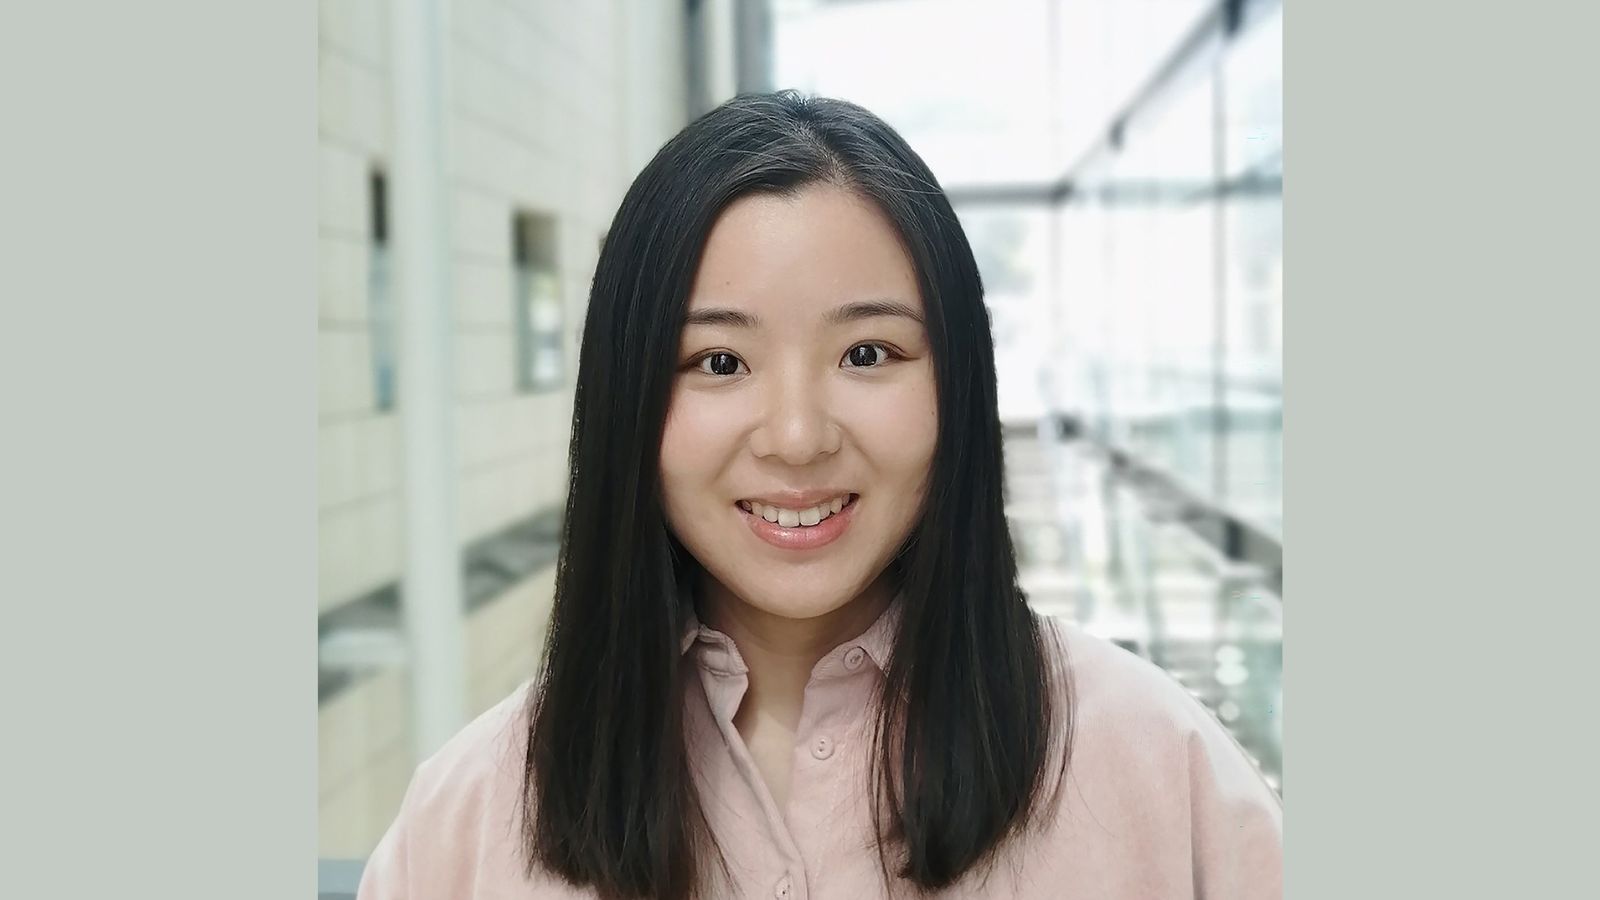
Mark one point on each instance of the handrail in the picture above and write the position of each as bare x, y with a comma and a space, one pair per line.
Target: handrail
1242, 548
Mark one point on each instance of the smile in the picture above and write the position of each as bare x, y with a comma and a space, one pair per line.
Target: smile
800, 529
789, 518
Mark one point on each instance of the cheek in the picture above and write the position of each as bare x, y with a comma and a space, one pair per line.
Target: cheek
901, 429
692, 443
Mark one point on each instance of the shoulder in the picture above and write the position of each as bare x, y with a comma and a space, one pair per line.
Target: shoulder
459, 828
1138, 734
477, 763
1152, 765
1114, 694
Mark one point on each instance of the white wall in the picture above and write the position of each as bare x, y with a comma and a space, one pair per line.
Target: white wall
553, 109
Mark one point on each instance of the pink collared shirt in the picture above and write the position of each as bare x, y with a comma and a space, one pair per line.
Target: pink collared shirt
1159, 803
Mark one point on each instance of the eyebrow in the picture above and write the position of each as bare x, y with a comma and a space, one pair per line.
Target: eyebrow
849, 312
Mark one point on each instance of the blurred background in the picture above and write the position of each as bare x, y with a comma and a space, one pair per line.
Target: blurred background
1117, 165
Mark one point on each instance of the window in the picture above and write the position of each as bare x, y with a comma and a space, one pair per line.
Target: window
536, 286
380, 295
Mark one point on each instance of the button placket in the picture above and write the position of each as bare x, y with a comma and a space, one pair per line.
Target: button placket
821, 747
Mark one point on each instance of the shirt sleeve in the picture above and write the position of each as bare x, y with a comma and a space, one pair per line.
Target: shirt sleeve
1236, 820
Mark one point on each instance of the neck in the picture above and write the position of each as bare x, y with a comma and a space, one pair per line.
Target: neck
781, 652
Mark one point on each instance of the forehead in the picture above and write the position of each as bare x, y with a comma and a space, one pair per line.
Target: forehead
800, 255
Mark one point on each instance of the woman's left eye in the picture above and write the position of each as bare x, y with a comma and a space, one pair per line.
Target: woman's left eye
866, 356
723, 364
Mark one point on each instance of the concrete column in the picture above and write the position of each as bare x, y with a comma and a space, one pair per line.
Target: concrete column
654, 75
431, 591
722, 72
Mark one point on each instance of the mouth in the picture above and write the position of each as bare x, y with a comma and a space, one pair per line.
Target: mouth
806, 528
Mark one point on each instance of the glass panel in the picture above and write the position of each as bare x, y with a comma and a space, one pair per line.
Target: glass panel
1253, 80
382, 327
1012, 247
1254, 373
1253, 238
1085, 303
1159, 350
931, 70
537, 294
380, 297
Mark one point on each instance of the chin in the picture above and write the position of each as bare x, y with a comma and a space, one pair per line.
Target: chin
795, 600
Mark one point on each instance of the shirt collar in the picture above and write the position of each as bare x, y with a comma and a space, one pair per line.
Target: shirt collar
877, 640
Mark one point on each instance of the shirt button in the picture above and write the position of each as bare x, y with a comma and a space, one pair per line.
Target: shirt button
781, 889
853, 659
822, 747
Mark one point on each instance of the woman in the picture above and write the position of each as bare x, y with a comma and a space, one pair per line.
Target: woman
788, 655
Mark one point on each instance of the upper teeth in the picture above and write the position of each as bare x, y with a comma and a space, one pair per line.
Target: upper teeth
789, 518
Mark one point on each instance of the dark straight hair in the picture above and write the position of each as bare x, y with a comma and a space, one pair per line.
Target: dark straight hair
969, 725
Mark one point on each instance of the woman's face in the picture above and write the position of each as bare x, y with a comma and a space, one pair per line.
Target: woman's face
804, 377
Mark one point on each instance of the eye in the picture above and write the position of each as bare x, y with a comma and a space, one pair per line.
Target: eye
722, 364
867, 356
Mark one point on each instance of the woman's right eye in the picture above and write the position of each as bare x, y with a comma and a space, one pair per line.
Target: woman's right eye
719, 364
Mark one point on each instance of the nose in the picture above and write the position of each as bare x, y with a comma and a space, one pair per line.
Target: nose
797, 426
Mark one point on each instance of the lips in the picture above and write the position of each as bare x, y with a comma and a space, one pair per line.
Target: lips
797, 536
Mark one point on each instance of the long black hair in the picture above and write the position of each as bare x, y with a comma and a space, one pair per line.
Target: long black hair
968, 722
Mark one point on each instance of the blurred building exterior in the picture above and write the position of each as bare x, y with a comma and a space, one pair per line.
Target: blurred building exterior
1116, 163
550, 110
